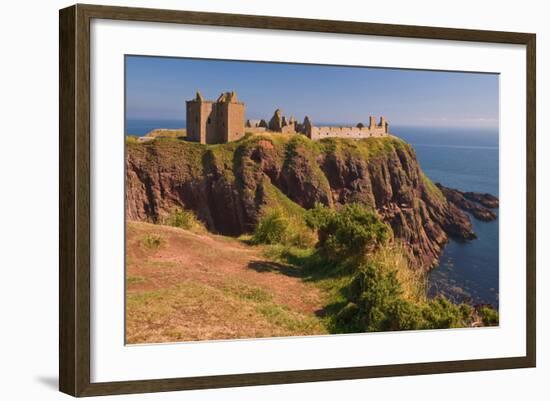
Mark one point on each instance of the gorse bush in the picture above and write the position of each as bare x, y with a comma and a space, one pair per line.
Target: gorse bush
349, 233
183, 219
377, 303
488, 315
275, 227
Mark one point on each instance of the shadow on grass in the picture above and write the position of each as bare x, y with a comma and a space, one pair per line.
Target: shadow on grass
310, 266
263, 266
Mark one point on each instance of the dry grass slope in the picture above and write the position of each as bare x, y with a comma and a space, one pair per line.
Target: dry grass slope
205, 287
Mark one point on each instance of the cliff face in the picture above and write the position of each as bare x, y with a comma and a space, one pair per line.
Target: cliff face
229, 185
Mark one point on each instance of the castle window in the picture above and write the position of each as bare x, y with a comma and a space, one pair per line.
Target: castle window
208, 121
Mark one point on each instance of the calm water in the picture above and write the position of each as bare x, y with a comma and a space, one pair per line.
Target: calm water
465, 159
142, 127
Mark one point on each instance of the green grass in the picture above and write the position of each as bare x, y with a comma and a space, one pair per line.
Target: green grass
289, 321
276, 199
191, 311
432, 188
368, 148
247, 293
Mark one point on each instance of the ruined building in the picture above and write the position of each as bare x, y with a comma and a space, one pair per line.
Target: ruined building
279, 123
215, 122
256, 126
358, 132
223, 121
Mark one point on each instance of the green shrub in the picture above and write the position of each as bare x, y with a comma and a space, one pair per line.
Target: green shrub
319, 216
351, 232
489, 316
185, 219
277, 228
440, 313
377, 303
272, 229
374, 293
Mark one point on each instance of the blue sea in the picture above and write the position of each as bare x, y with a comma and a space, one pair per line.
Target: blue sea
465, 159
137, 127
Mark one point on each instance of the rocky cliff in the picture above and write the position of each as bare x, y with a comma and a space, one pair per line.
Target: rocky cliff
476, 204
229, 185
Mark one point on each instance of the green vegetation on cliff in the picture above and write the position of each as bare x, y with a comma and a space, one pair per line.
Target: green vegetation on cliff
373, 287
223, 155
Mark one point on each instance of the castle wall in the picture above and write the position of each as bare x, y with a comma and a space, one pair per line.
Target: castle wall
235, 121
193, 124
317, 133
256, 130
288, 129
208, 121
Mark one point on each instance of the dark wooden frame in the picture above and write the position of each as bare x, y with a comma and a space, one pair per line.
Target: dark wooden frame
74, 199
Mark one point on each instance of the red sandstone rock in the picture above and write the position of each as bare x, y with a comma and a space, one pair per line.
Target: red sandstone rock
462, 201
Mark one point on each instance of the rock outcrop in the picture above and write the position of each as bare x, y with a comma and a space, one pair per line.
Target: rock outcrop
486, 200
465, 202
228, 186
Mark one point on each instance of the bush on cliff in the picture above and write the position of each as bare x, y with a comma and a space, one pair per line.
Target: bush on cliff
350, 233
377, 302
489, 316
373, 285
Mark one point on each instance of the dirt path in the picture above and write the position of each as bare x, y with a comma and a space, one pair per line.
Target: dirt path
184, 286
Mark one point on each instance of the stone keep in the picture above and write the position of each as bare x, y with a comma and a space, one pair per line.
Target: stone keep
215, 122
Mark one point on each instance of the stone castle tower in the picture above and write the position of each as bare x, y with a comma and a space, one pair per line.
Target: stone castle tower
215, 122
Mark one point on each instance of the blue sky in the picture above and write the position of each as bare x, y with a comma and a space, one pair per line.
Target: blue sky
157, 88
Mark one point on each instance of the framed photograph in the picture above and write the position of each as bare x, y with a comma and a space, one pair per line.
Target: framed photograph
249, 200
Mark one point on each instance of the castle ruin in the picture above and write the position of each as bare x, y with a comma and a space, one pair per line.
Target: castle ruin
358, 132
223, 121
215, 122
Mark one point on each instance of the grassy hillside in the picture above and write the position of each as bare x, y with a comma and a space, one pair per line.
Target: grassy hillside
184, 286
